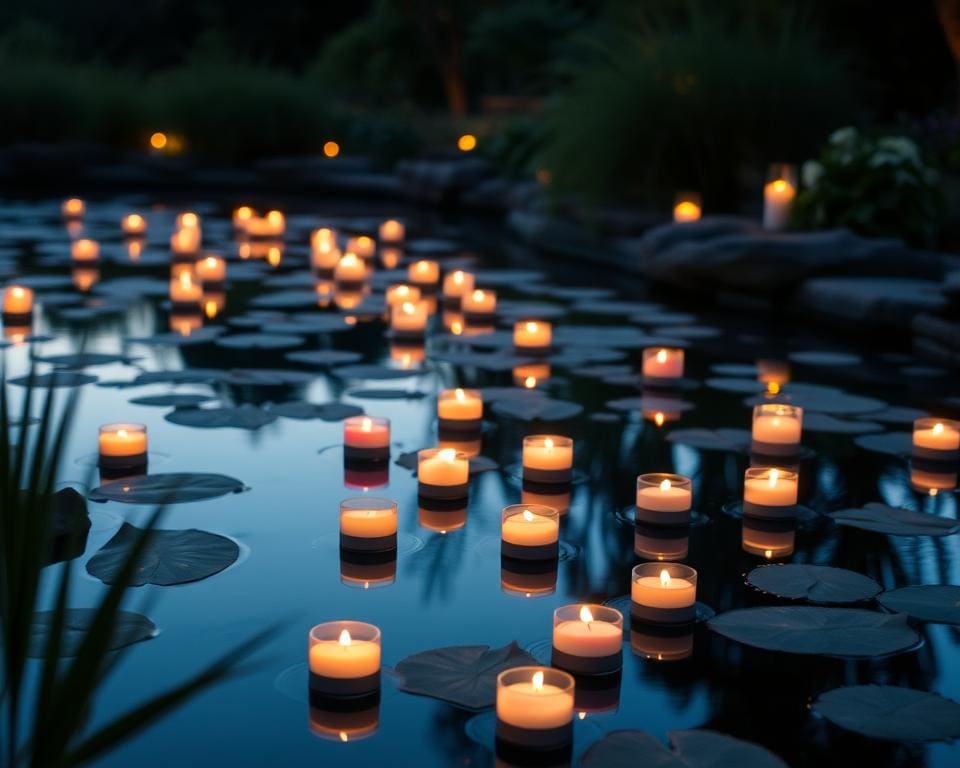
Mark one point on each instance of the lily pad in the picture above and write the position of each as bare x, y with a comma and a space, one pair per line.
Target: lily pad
168, 488
285, 300
172, 400
83, 359
889, 443
897, 414
736, 385
174, 339
298, 409
825, 358
688, 749
895, 521
259, 341
538, 409
265, 377
386, 394
938, 603
462, 675
69, 526
846, 632
650, 403
724, 439
239, 417
128, 628
324, 357
55, 379
890, 712
170, 557
815, 583
688, 331
824, 422
377, 372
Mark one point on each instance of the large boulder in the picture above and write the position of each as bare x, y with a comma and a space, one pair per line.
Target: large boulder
890, 302
443, 180
662, 238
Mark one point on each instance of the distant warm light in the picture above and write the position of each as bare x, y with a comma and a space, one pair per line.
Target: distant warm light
210, 309
467, 142
773, 388
158, 140
331, 149
659, 418
530, 382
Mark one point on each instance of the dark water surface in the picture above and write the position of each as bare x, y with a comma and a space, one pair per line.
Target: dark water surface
449, 588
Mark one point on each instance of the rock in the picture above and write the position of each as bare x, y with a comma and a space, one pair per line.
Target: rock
666, 236
441, 180
561, 236
877, 301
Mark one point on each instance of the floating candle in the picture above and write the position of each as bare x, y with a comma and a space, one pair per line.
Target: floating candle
366, 438
397, 294
663, 363
211, 270
133, 224
443, 473
663, 499
778, 195
777, 429
424, 273
936, 439
324, 262
350, 270
368, 524
460, 409
409, 319
241, 216
687, 208
535, 707
84, 249
532, 335
185, 289
122, 446
587, 639
770, 492
187, 219
17, 301
73, 208
392, 231
363, 245
344, 658
529, 532
455, 285
273, 224
663, 593
548, 458
185, 241
479, 304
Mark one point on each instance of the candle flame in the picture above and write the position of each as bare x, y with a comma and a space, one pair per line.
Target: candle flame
343, 737
456, 327
349, 258
585, 614
17, 291
537, 681
548, 444
459, 393
937, 428
408, 308
458, 277
773, 388
531, 327
774, 475
366, 424
768, 553
186, 280
210, 309
659, 418
662, 356
529, 516
448, 454
189, 219
421, 266
530, 382
274, 255
665, 485
243, 213
582, 715
345, 638
403, 290
478, 295
780, 185
211, 261
122, 433
665, 578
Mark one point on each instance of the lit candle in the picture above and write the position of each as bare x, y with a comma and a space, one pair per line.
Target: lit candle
442, 473
73, 208
187, 219
769, 539
186, 292
778, 197
664, 593
241, 216
662, 363
661, 543
399, 293
213, 302
323, 239
366, 438
324, 262
770, 492
84, 278
532, 375
687, 208
425, 274
587, 639
936, 439
350, 270
455, 285
532, 336
777, 429
84, 250
133, 224
548, 458
479, 305
368, 524
122, 446
364, 246
663, 499
17, 302
460, 410
660, 644
409, 319
529, 532
211, 270
185, 241
344, 659
392, 231
274, 224
535, 707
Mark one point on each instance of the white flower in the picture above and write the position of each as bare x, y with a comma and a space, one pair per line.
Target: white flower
843, 136
810, 173
902, 146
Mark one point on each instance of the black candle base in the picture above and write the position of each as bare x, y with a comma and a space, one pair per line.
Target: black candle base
214, 286
124, 464
521, 552
462, 427
533, 351
368, 544
524, 567
412, 338
443, 492
338, 689
350, 285
367, 566
180, 308
663, 383
933, 458
324, 701
480, 318
366, 456
546, 489
647, 614
764, 512
18, 318
775, 450
548, 476
534, 739
658, 518
587, 665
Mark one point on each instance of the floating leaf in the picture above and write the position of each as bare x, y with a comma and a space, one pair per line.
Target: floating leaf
897, 414
541, 408
712, 439
174, 339
815, 583
298, 409
827, 359
168, 488
689, 749
891, 712
55, 379
83, 359
824, 422
386, 394
172, 400
240, 417
259, 341
848, 632
735, 385
380, 372
895, 521
69, 526
939, 603
128, 628
324, 357
265, 377
890, 443
285, 300
463, 675
688, 331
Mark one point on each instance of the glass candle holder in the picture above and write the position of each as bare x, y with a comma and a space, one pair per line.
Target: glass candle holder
17, 303
529, 532
424, 274
363, 245
133, 225
769, 539
344, 659
517, 578
211, 270
661, 543
770, 492
323, 239
661, 643
460, 410
399, 293
455, 285
392, 231
366, 570
350, 272
479, 306
186, 291
122, 446
777, 429
408, 320
368, 524
548, 459
687, 207
84, 250
662, 364
663, 593
366, 439
535, 707
73, 208
241, 215
587, 639
185, 241
324, 262
344, 724
531, 375
664, 499
442, 474
924, 480
936, 440
532, 337
778, 195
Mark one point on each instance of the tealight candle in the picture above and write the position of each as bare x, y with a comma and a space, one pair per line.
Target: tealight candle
186, 219
344, 659
936, 439
17, 303
663, 499
479, 305
368, 525
535, 708
84, 249
777, 429
770, 492
241, 216
442, 474
186, 292
344, 724
363, 245
656, 542
122, 446
424, 274
84, 278
548, 458
662, 364
323, 239
133, 224
185, 241
392, 231
664, 593
769, 539
532, 336
324, 261
350, 271
655, 643
460, 410
687, 208
455, 285
409, 319
778, 195
211, 270
587, 639
529, 532
73, 208
531, 376
399, 293
274, 224
366, 438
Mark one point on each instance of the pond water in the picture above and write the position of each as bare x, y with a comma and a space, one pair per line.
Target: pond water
447, 586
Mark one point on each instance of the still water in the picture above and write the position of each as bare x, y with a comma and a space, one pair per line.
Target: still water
448, 587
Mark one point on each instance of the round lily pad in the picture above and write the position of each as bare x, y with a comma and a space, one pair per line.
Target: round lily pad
825, 400
376, 372
687, 332
890, 443
616, 307
55, 380
814, 583
895, 414
688, 749
172, 400
895, 521
890, 712
168, 488
324, 357
170, 557
538, 409
386, 394
240, 417
259, 341
174, 339
824, 358
285, 300
298, 409
736, 385
827, 424
265, 377
128, 628
83, 359
845, 632
650, 403
938, 603
724, 439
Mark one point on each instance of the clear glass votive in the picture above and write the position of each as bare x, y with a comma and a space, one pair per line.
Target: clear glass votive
662, 364
777, 429
936, 440
344, 659
366, 439
548, 458
770, 492
535, 707
479, 305
532, 336
664, 593
587, 639
122, 445
368, 524
442, 474
529, 532
425, 274
460, 410
664, 499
